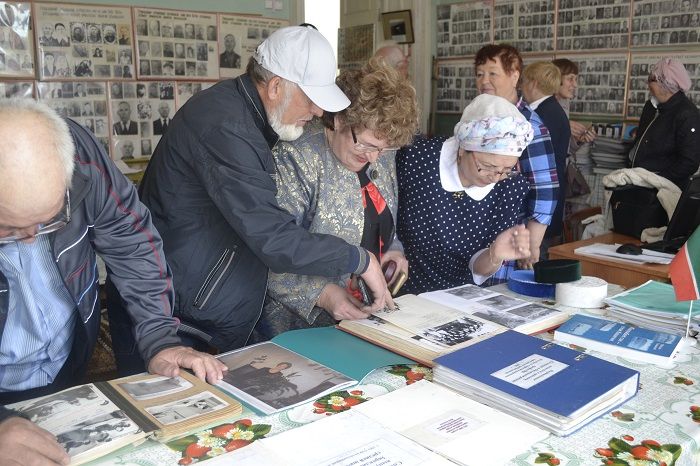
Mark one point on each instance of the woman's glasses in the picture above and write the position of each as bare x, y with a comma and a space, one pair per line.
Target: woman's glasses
55, 224
362, 147
513, 172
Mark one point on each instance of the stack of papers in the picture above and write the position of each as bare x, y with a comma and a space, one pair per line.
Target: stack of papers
609, 251
653, 305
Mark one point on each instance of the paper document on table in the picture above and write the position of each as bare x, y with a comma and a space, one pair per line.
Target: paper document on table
609, 251
345, 439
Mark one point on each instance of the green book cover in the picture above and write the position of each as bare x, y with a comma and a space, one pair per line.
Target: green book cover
339, 350
654, 297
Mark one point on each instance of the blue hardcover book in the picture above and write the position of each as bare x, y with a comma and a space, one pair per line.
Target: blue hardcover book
617, 339
546, 384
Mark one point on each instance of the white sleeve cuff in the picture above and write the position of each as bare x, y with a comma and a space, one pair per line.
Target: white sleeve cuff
478, 279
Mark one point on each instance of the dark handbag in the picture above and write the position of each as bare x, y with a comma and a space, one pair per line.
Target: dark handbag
576, 184
635, 208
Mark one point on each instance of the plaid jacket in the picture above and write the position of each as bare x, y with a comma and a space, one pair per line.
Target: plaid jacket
539, 167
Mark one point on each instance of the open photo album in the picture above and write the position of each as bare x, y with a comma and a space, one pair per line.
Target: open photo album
92, 420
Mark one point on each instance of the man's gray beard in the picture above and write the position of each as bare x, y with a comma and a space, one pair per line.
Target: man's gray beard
284, 131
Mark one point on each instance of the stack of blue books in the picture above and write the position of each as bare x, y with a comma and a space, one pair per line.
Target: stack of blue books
551, 386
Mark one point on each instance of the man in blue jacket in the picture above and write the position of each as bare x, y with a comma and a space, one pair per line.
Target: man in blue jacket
62, 201
211, 188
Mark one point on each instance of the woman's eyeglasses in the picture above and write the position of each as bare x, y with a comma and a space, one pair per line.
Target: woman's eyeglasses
362, 147
513, 172
55, 224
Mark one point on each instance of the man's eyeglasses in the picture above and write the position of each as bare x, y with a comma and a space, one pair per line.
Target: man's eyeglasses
513, 172
55, 224
362, 147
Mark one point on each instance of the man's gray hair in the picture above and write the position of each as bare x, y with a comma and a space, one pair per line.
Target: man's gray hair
62, 139
261, 76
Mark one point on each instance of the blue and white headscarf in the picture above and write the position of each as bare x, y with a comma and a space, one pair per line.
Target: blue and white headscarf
493, 125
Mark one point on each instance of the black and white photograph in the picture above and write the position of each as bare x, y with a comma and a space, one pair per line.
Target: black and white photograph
238, 38
456, 332
501, 302
273, 378
40, 410
16, 41
98, 430
505, 318
154, 387
186, 408
469, 292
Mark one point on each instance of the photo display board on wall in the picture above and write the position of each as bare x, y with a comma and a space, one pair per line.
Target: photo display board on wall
665, 22
527, 25
355, 46
16, 41
593, 24
176, 43
601, 84
463, 28
239, 36
83, 42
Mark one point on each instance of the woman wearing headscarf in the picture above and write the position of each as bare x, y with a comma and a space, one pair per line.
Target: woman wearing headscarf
339, 178
460, 198
668, 138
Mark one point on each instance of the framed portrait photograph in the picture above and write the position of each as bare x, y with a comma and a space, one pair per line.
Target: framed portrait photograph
398, 26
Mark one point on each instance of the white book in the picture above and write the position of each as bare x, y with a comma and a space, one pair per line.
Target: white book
452, 425
345, 439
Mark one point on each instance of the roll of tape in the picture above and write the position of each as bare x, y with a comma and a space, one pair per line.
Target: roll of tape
523, 282
588, 292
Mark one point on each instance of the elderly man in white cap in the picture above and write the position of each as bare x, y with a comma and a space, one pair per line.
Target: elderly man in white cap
468, 192
211, 188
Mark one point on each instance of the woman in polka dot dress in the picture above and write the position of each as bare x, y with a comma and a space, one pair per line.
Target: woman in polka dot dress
459, 199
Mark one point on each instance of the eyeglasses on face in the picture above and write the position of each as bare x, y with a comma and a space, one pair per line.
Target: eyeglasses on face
55, 224
513, 172
364, 148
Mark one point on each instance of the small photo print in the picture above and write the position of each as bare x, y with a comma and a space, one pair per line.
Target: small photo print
187, 408
155, 387
457, 331
501, 302
469, 292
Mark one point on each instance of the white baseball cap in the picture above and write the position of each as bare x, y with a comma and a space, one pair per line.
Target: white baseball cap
302, 55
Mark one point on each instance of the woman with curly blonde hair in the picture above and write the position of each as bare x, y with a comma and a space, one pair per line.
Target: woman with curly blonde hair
339, 178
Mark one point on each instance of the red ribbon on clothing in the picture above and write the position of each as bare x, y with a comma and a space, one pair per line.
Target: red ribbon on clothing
374, 194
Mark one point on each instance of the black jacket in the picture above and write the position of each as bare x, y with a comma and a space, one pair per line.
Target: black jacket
668, 139
556, 121
211, 188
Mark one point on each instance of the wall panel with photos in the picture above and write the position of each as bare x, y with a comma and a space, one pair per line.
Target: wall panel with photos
614, 43
122, 72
